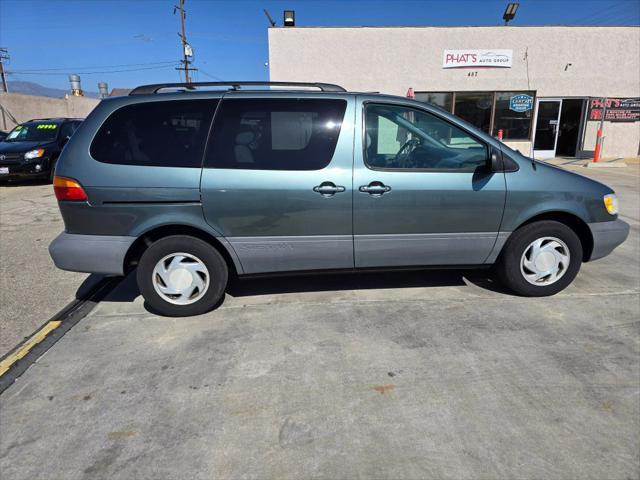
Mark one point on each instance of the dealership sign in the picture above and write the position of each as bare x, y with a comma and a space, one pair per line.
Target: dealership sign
477, 58
618, 109
521, 103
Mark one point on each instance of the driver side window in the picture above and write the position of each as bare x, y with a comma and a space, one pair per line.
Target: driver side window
398, 137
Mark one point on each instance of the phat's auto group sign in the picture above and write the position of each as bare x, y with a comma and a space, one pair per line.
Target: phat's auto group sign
496, 58
617, 109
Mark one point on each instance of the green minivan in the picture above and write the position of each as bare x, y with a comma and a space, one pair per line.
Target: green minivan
187, 183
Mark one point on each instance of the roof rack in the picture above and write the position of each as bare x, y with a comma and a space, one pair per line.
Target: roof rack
148, 89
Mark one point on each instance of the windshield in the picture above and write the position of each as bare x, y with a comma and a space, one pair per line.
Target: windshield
33, 132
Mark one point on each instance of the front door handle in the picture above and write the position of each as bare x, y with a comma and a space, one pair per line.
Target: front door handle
328, 189
375, 189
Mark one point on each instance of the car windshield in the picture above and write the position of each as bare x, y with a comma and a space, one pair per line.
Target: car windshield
33, 132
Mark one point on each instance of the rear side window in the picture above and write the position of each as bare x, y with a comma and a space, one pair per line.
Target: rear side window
159, 134
275, 134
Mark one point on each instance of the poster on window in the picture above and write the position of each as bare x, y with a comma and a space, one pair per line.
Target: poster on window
618, 109
521, 103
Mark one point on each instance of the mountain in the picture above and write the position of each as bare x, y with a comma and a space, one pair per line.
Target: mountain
32, 88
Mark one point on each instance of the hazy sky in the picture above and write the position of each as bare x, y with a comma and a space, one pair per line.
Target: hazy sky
127, 43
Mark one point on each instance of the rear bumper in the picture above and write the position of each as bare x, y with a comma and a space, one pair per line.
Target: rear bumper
103, 254
607, 236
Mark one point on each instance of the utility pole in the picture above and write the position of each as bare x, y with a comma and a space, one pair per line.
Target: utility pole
187, 51
4, 55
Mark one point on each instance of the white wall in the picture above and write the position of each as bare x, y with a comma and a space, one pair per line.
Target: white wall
620, 139
605, 61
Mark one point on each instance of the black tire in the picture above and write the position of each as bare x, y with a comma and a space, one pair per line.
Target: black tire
508, 267
215, 264
52, 170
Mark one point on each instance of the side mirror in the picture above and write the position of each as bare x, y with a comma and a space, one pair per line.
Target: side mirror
495, 161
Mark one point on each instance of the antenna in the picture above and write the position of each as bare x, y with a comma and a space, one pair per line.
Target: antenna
271, 20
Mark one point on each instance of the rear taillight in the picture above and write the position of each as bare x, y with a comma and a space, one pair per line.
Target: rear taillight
68, 189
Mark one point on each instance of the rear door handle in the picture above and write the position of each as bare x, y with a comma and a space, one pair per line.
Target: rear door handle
375, 189
328, 189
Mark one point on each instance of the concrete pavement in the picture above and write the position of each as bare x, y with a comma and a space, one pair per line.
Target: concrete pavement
396, 375
31, 288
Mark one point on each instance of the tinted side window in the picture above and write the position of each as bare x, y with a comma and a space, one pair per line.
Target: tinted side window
404, 138
160, 134
275, 134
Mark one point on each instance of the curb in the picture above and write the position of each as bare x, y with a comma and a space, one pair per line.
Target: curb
25, 354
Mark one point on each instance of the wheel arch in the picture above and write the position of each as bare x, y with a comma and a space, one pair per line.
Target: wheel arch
571, 220
145, 240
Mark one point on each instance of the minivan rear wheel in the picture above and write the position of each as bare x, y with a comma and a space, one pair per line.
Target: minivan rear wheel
540, 259
180, 276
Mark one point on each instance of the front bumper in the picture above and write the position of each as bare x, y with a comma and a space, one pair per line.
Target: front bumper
25, 169
607, 236
103, 254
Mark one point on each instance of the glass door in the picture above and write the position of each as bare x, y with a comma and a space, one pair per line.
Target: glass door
547, 123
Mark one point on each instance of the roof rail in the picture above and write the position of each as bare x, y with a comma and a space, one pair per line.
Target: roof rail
148, 89
49, 119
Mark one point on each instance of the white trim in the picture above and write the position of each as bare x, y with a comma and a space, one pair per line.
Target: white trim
543, 154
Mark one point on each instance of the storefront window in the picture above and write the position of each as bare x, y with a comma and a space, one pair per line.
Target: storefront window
442, 99
513, 112
475, 108
510, 112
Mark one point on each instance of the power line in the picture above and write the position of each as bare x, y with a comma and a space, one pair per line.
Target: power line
210, 76
95, 66
599, 15
611, 17
88, 73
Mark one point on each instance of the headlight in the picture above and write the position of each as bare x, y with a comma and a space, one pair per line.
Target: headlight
34, 154
611, 203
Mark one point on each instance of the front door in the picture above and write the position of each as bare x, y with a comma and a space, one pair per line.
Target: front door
547, 124
277, 179
423, 194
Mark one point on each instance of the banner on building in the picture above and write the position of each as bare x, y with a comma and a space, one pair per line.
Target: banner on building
477, 58
618, 109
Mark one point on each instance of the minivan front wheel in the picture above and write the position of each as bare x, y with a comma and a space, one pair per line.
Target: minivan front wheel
181, 276
540, 259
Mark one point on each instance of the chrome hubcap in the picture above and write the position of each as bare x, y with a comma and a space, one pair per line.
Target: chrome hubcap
545, 261
181, 278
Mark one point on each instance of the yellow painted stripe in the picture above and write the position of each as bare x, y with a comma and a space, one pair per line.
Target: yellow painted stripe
29, 344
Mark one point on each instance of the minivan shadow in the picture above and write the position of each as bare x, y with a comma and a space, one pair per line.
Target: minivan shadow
363, 280
127, 290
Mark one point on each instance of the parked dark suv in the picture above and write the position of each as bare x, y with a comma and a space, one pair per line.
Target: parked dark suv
32, 148
190, 185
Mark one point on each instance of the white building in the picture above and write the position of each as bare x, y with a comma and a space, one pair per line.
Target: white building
541, 86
